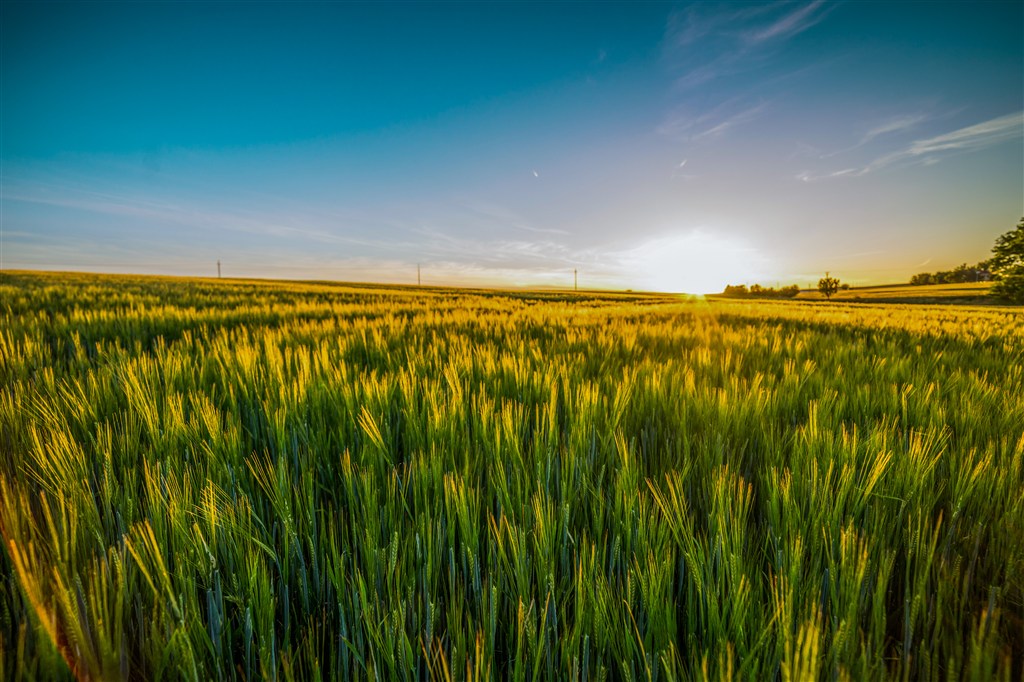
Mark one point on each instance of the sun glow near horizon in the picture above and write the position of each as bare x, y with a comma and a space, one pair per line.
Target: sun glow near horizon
699, 262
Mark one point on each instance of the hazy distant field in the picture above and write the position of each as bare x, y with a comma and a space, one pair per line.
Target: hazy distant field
215, 480
969, 293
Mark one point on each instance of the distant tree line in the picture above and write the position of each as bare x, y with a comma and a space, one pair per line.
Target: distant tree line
758, 291
962, 273
1005, 269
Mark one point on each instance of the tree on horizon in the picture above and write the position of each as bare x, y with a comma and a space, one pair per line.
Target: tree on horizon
828, 286
1007, 264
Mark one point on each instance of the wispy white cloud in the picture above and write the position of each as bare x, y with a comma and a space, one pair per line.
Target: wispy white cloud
194, 215
699, 21
500, 218
684, 126
808, 176
543, 253
677, 172
706, 41
455, 273
977, 136
731, 122
791, 24
928, 151
503, 244
890, 126
895, 125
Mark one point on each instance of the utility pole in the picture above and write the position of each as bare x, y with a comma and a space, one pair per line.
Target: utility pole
218, 269
575, 281
419, 282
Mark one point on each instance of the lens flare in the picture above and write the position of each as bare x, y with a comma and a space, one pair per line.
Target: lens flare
698, 262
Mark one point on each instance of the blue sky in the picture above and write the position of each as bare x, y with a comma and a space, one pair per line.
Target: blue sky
647, 145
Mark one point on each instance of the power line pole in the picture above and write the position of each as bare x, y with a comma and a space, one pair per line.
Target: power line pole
419, 282
575, 281
218, 269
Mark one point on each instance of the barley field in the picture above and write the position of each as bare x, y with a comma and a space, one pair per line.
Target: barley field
230, 480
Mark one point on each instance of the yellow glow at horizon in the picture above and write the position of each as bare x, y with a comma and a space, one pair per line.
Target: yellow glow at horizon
695, 263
